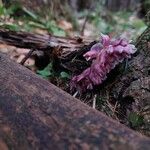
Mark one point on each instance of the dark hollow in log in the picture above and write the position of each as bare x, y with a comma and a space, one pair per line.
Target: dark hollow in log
34, 114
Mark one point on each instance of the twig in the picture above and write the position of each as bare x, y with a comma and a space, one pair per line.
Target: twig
75, 94
94, 102
84, 23
27, 56
114, 109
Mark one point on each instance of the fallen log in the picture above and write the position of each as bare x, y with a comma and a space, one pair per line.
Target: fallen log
66, 52
63, 46
34, 114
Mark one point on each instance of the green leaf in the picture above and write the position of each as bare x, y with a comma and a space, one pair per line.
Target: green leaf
57, 31
52, 27
29, 13
2, 10
138, 24
135, 119
36, 25
65, 75
13, 9
13, 27
46, 72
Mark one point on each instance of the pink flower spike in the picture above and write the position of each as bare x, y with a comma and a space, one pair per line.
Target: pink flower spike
105, 39
110, 49
105, 55
95, 49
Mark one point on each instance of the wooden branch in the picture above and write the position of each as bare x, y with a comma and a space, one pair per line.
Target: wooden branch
63, 46
27, 56
34, 114
61, 49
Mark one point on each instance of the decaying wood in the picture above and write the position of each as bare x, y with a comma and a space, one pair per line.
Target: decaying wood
61, 45
131, 87
66, 52
34, 114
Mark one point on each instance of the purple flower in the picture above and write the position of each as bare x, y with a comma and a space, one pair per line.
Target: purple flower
105, 55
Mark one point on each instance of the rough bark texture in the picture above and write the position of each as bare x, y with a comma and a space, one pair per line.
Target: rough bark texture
62, 45
40, 4
134, 83
66, 52
35, 114
116, 5
77, 5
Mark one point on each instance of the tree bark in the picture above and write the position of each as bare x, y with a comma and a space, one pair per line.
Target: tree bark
134, 83
116, 5
43, 42
66, 52
34, 114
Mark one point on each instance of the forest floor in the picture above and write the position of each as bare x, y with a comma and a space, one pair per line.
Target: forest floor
124, 24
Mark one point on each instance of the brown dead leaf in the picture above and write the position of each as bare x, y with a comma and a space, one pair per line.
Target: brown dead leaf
22, 50
29, 62
19, 59
40, 31
6, 48
65, 25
